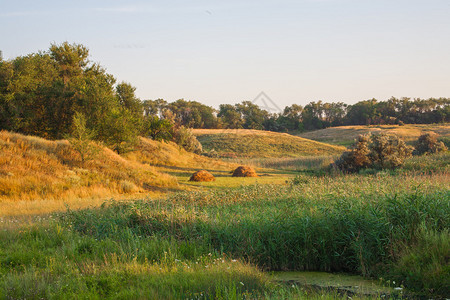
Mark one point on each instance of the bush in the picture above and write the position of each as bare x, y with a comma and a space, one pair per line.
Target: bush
185, 138
357, 158
388, 151
428, 143
374, 151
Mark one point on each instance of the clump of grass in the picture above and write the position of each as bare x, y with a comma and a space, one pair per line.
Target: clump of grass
424, 264
128, 186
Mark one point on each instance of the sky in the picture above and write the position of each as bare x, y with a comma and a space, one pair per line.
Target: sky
229, 51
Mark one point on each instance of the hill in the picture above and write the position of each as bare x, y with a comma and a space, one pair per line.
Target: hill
34, 169
258, 143
345, 135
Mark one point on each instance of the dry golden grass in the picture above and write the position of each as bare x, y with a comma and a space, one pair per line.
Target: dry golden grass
41, 176
168, 155
248, 143
33, 168
345, 135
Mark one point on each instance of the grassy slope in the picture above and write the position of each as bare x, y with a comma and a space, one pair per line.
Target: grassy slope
33, 168
261, 144
345, 135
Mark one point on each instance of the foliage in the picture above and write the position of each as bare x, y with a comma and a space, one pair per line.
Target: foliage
41, 93
120, 131
185, 138
388, 151
81, 138
428, 143
157, 129
380, 151
358, 156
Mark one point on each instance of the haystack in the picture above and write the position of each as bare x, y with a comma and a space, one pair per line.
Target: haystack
244, 171
202, 175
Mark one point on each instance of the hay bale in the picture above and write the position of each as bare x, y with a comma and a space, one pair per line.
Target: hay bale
202, 175
244, 171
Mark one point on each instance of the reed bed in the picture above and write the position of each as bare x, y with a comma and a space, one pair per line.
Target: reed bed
214, 244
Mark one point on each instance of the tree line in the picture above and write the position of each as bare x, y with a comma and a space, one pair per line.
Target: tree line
43, 93
314, 115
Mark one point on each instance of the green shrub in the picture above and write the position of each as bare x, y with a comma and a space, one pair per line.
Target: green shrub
185, 138
358, 156
428, 143
380, 151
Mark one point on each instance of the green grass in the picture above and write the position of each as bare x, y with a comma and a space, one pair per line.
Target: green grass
215, 243
288, 164
244, 143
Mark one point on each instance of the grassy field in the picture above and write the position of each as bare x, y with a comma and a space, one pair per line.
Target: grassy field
245, 143
227, 239
221, 243
345, 135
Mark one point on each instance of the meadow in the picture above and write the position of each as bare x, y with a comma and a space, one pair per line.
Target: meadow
345, 135
246, 143
234, 238
223, 243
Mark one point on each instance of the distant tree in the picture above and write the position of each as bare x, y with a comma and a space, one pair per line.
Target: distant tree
362, 113
230, 116
120, 133
291, 118
252, 115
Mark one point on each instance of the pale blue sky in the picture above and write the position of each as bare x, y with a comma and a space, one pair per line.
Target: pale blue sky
228, 51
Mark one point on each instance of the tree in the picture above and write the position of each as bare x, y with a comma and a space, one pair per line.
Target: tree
127, 99
158, 129
230, 116
252, 115
427, 144
81, 138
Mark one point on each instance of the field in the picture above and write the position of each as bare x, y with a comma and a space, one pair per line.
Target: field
245, 143
345, 135
268, 237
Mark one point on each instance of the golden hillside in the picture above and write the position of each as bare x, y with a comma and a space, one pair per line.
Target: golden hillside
33, 170
345, 135
259, 143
